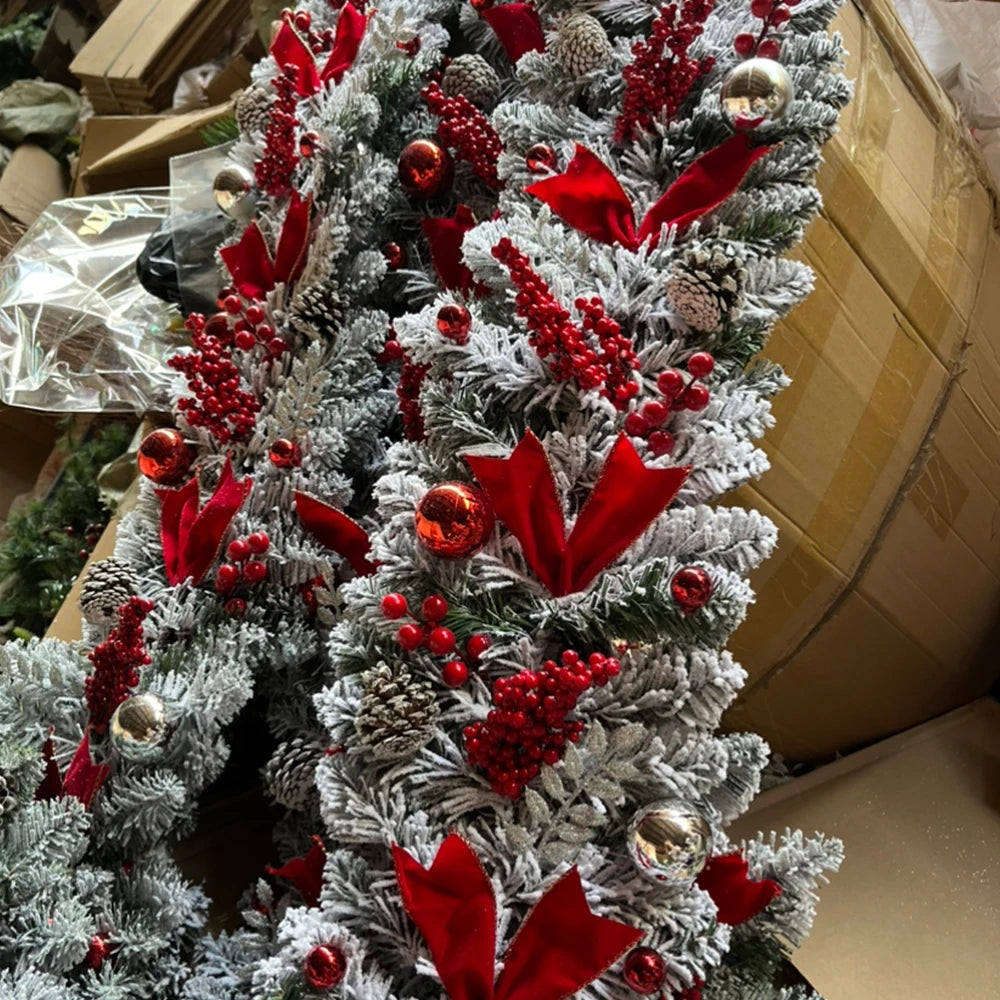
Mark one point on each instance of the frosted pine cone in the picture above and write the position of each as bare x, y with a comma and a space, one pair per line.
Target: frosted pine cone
108, 586
290, 773
253, 107
706, 288
8, 800
319, 310
397, 713
581, 45
474, 78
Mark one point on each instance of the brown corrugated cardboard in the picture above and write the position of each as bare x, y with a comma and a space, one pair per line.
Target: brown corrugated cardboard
28, 438
886, 457
31, 182
103, 134
913, 913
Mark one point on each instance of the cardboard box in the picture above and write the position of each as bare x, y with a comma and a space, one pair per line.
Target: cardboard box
912, 915
873, 614
28, 438
32, 180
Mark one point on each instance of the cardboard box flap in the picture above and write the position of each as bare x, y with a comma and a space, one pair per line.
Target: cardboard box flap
32, 180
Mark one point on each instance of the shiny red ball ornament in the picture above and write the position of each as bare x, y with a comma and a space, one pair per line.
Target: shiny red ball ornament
671, 383
454, 322
254, 572
441, 641
696, 397
308, 144
236, 607
660, 443
395, 256
324, 967
769, 48
97, 952
701, 364
164, 457
454, 520
226, 577
394, 606
410, 637
541, 158
691, 588
285, 453
644, 971
259, 542
454, 673
239, 550
477, 645
425, 169
434, 608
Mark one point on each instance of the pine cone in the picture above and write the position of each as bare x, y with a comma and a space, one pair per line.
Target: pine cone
474, 78
8, 800
397, 713
108, 586
290, 773
253, 107
319, 309
581, 45
706, 288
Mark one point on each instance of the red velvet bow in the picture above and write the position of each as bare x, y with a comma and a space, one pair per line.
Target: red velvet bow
336, 531
626, 499
518, 27
83, 777
588, 196
291, 52
305, 873
445, 238
559, 949
192, 538
250, 263
738, 898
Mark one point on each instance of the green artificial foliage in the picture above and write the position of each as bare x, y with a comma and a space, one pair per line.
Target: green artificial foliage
19, 41
48, 540
220, 132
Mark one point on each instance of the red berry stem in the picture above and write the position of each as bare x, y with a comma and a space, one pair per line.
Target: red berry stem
274, 169
465, 129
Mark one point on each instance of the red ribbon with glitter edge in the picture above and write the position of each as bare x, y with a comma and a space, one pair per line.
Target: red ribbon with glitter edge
306, 872
517, 27
560, 948
627, 498
737, 897
588, 196
83, 777
290, 50
336, 531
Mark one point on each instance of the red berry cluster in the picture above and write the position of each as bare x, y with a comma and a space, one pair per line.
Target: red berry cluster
116, 663
661, 74
411, 380
301, 21
430, 633
227, 411
528, 726
773, 14
273, 171
464, 128
568, 348
242, 565
680, 393
244, 324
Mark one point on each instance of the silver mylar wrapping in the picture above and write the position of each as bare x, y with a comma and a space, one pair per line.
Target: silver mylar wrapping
78, 333
754, 93
669, 842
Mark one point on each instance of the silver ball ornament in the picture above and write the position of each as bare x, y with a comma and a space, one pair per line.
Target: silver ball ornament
669, 842
756, 92
232, 187
139, 728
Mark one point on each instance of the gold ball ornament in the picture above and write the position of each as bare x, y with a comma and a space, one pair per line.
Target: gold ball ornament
454, 520
669, 842
425, 169
754, 93
231, 188
139, 728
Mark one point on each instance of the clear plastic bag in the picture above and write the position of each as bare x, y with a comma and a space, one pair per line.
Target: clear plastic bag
78, 333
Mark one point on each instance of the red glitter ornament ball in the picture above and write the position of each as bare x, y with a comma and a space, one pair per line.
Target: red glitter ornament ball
308, 144
541, 159
425, 169
285, 453
395, 256
98, 951
454, 520
454, 322
691, 588
164, 457
454, 673
325, 967
644, 971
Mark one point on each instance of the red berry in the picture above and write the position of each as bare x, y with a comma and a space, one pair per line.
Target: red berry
477, 645
671, 383
239, 551
655, 413
233, 305
245, 340
660, 442
441, 641
393, 350
434, 608
636, 426
259, 542
265, 332
255, 315
394, 606
781, 16
769, 48
410, 636
303, 20
226, 577
224, 294
696, 397
454, 673
236, 607
743, 44
254, 572
277, 346
761, 8
701, 364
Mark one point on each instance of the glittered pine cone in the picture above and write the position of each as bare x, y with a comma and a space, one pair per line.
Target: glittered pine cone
474, 78
109, 585
397, 713
253, 107
290, 773
581, 45
706, 288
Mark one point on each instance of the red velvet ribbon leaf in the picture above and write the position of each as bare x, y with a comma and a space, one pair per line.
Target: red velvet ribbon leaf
290, 49
523, 491
627, 498
293, 241
249, 262
305, 873
562, 946
177, 512
453, 906
737, 897
346, 43
518, 27
445, 239
336, 531
83, 777
588, 196
51, 785
705, 185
